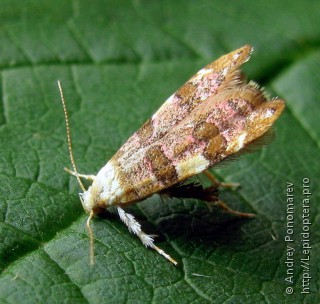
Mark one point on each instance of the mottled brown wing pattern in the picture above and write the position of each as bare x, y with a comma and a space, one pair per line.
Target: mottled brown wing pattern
221, 126
208, 82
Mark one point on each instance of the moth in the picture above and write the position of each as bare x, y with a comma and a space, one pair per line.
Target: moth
213, 116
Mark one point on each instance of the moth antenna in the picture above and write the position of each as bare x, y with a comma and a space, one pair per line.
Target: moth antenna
69, 138
90, 231
76, 172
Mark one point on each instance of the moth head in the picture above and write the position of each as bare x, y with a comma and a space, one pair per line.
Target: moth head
87, 200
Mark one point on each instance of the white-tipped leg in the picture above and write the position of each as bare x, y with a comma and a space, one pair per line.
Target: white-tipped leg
87, 177
146, 239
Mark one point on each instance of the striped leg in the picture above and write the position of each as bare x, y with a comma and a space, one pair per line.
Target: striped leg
146, 239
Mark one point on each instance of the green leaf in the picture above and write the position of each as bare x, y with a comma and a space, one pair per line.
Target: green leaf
118, 61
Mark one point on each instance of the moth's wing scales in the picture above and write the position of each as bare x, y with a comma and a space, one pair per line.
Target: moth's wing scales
251, 147
216, 126
220, 127
206, 83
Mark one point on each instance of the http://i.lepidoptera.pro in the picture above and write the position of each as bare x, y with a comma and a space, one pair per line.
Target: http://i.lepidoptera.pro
210, 118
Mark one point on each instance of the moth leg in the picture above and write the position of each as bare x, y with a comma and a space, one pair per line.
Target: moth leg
87, 177
146, 239
216, 182
209, 195
222, 205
